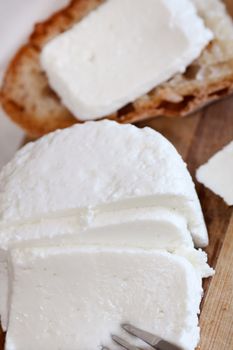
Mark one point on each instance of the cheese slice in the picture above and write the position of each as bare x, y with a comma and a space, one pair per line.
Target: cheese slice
217, 173
140, 227
78, 297
116, 54
151, 228
101, 166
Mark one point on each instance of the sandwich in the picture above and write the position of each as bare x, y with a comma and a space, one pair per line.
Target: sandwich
46, 88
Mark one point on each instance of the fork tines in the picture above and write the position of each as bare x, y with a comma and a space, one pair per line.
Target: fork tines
150, 339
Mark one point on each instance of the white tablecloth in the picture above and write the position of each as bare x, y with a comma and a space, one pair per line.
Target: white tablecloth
17, 18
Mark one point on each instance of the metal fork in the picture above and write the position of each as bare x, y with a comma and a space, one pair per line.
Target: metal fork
150, 339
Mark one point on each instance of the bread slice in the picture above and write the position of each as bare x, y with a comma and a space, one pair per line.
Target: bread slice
28, 99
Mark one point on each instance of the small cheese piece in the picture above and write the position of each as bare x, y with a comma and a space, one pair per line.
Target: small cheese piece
102, 166
116, 54
83, 295
217, 173
151, 228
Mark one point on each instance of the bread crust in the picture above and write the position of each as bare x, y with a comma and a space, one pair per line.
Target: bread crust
30, 102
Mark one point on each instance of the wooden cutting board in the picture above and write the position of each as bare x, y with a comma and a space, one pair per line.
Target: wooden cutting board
197, 138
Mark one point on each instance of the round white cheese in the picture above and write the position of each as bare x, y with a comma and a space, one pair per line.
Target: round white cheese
102, 166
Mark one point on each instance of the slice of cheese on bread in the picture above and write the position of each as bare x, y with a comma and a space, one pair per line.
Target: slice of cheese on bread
29, 100
115, 55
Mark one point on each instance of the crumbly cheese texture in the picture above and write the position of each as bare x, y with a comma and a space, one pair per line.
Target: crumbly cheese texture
218, 20
75, 312
150, 228
116, 54
102, 166
217, 173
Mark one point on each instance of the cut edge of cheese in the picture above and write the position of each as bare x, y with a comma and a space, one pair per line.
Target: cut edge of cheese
116, 275
147, 227
197, 258
150, 228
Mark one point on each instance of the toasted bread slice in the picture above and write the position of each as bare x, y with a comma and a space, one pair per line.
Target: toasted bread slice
28, 99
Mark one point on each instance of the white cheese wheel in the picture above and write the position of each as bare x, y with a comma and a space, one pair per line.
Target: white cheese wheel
98, 165
98, 183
